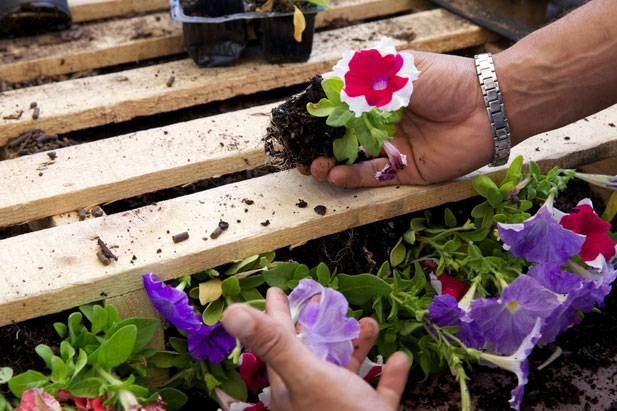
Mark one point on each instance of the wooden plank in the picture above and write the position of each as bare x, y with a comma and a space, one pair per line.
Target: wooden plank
116, 42
55, 269
122, 167
88, 102
98, 45
87, 10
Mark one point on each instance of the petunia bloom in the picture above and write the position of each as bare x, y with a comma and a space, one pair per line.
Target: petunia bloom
378, 77
540, 239
211, 343
446, 284
444, 311
600, 180
511, 317
326, 329
35, 399
397, 162
370, 370
171, 303
253, 371
572, 292
229, 403
517, 363
595, 230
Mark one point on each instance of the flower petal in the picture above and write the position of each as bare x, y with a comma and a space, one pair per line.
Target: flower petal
171, 303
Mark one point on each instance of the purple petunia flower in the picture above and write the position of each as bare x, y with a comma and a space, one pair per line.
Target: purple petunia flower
541, 239
445, 312
211, 342
571, 290
601, 279
396, 162
171, 303
326, 329
513, 315
517, 362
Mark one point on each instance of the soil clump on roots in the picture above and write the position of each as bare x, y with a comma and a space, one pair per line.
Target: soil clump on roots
297, 137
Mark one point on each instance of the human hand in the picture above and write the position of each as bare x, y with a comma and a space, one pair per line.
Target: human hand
444, 132
301, 381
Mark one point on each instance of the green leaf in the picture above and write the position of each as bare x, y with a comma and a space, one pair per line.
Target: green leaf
320, 3
494, 197
112, 313
234, 385
364, 136
514, 171
251, 294
230, 287
118, 348
360, 288
397, 255
280, 274
60, 329
449, 218
252, 281
168, 359
181, 345
322, 109
213, 312
240, 266
45, 353
100, 319
29, 379
291, 284
88, 388
66, 350
406, 327
339, 116
346, 148
535, 169
323, 274
383, 270
82, 360
6, 373
332, 87
419, 278
174, 398
58, 369
482, 184
146, 328
75, 327
301, 271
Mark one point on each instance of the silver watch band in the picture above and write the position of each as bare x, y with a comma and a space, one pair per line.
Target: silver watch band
494, 106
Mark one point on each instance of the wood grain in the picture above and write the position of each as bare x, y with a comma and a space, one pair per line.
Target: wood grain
55, 269
87, 10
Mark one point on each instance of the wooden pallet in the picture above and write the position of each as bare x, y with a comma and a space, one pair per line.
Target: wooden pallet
56, 268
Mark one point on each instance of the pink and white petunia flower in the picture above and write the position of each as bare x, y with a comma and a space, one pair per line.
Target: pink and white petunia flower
35, 399
370, 370
378, 77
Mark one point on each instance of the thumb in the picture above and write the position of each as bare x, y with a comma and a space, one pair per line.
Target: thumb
271, 340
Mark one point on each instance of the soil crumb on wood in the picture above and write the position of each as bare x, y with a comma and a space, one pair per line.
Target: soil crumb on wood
297, 137
301, 203
320, 209
180, 237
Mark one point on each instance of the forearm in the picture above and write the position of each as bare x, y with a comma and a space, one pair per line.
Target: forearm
562, 72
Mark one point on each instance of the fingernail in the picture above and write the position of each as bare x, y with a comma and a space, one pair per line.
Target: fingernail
239, 323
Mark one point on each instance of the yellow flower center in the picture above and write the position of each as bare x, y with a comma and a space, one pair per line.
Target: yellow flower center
512, 306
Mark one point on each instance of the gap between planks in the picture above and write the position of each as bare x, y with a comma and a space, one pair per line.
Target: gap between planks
55, 269
139, 38
118, 97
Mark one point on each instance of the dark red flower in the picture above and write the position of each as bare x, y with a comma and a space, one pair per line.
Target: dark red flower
452, 286
253, 371
587, 222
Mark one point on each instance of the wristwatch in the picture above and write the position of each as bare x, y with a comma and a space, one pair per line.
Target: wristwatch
494, 106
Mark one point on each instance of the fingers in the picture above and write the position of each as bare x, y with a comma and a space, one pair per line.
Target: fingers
321, 166
303, 169
394, 378
361, 174
277, 306
273, 341
369, 330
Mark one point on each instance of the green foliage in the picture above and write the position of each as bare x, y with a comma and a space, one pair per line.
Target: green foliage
369, 130
95, 360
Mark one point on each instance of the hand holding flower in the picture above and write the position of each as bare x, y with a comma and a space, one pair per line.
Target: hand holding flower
296, 374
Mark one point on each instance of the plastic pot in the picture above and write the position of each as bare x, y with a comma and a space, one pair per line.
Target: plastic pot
24, 17
215, 31
277, 41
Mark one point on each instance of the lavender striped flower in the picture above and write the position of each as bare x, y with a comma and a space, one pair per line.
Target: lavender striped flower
173, 304
541, 239
326, 329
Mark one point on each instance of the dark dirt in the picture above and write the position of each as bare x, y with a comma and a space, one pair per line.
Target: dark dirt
320, 209
297, 137
34, 141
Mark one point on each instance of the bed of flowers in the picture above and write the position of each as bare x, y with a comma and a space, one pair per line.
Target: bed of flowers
455, 293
